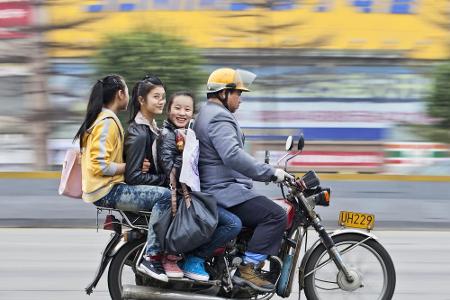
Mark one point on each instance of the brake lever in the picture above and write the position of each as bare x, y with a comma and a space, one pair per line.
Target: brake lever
299, 183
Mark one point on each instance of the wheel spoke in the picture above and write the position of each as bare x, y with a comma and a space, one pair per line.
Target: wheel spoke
349, 248
328, 281
365, 257
129, 262
327, 289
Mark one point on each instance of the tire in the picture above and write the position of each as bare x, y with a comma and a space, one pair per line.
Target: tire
326, 277
124, 257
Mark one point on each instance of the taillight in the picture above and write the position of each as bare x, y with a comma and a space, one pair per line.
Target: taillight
111, 223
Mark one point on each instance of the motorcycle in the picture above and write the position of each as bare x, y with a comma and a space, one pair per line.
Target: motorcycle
344, 264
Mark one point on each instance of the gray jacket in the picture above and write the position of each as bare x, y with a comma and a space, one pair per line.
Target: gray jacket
226, 170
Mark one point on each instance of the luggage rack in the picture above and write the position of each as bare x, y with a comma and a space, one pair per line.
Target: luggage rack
134, 220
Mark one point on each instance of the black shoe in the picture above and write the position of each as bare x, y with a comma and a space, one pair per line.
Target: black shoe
153, 269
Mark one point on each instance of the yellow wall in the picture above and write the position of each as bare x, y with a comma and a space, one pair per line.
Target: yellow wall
340, 28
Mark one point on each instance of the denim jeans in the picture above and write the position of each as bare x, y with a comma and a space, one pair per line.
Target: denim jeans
136, 198
228, 228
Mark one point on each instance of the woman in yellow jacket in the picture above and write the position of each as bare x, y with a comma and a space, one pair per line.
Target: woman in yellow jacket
101, 142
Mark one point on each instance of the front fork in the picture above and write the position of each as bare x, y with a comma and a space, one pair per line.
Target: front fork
327, 240
331, 248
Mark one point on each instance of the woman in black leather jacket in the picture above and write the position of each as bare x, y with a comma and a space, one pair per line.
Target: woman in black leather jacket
148, 100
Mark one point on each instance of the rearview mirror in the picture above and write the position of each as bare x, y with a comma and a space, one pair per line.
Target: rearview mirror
267, 157
289, 143
301, 142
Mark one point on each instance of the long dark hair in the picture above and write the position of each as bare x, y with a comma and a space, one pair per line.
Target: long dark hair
102, 93
142, 88
176, 94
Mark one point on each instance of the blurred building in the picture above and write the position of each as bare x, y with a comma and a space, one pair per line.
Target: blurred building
345, 71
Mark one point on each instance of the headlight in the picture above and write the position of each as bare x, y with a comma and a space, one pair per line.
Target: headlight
310, 180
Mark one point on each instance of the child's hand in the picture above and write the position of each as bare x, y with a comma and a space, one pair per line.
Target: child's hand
182, 132
146, 166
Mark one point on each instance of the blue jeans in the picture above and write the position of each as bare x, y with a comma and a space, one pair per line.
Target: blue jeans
228, 228
137, 198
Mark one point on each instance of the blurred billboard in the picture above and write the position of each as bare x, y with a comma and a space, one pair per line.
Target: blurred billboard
342, 102
14, 14
413, 28
344, 71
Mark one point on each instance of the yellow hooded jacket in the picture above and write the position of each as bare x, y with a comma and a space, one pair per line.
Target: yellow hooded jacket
101, 153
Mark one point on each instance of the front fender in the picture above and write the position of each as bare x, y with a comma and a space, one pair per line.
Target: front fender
318, 242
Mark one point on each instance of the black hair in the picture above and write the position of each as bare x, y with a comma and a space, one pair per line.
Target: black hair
217, 95
212, 95
176, 94
103, 93
142, 88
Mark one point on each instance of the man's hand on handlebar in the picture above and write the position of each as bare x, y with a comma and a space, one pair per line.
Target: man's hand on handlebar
280, 175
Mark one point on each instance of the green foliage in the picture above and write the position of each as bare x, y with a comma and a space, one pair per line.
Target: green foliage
439, 100
431, 133
136, 54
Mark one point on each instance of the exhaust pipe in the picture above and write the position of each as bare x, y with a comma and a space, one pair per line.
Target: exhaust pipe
151, 293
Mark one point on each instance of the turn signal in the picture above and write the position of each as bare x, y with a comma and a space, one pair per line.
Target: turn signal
327, 196
323, 198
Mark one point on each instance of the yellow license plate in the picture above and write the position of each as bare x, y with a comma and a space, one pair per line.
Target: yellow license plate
356, 220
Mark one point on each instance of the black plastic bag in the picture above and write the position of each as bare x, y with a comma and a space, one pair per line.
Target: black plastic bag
192, 226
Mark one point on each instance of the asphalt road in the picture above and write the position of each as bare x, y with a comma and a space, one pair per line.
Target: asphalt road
396, 205
412, 219
55, 264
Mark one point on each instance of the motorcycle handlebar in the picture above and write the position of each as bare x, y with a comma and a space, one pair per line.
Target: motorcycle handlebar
308, 181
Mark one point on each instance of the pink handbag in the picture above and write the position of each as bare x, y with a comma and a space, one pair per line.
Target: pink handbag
70, 184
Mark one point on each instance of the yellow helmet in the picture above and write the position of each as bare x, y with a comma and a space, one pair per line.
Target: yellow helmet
226, 78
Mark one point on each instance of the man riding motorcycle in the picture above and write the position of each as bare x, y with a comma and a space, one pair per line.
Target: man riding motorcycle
227, 172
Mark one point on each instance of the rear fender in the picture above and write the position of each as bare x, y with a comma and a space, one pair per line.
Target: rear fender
114, 245
319, 242
117, 247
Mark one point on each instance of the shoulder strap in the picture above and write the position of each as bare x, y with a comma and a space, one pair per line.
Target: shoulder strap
99, 120
89, 130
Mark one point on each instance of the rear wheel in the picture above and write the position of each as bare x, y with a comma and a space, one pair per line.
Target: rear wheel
368, 261
121, 270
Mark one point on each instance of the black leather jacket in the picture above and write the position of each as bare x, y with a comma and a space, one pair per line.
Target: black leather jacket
168, 154
139, 141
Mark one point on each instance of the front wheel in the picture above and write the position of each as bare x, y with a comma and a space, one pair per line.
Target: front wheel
121, 270
368, 261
